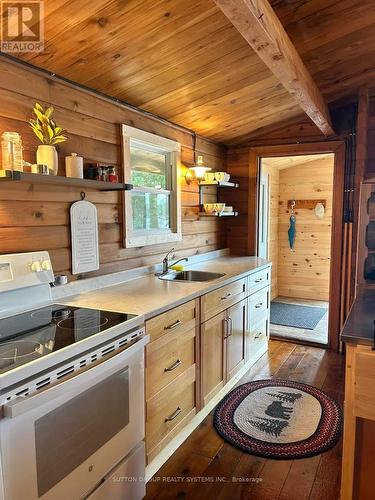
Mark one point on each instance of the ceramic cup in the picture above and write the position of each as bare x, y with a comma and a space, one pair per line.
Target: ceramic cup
209, 176
209, 208
220, 176
219, 207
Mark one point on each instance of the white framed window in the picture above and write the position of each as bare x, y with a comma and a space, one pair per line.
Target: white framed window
152, 209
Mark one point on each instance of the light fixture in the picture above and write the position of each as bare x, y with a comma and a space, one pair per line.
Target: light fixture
196, 171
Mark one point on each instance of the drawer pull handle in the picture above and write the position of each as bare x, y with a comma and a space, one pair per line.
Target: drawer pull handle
258, 335
259, 280
257, 306
173, 367
226, 296
230, 332
172, 325
174, 415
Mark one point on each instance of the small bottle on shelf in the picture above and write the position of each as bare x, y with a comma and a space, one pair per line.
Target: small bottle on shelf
112, 175
99, 174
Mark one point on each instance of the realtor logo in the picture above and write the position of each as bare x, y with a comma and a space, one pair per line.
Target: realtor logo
22, 26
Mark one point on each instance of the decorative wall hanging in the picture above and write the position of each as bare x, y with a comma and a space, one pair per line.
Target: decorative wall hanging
292, 227
85, 241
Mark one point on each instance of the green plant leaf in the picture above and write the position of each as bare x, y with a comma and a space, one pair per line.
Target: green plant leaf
45, 133
57, 140
49, 111
50, 132
37, 131
39, 135
40, 115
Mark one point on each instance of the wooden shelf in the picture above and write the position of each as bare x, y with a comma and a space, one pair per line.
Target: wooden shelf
222, 214
220, 184
59, 180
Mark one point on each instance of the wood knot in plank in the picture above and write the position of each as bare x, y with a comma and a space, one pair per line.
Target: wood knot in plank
102, 21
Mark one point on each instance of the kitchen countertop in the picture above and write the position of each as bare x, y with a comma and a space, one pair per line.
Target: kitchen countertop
150, 296
359, 326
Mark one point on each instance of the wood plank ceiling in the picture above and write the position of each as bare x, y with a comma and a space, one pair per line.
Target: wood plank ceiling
283, 162
186, 62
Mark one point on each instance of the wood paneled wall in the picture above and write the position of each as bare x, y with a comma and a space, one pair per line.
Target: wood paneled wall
34, 217
305, 272
237, 165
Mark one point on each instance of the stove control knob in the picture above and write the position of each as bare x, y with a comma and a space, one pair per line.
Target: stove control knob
36, 266
46, 265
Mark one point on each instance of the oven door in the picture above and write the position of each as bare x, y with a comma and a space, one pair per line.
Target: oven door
60, 443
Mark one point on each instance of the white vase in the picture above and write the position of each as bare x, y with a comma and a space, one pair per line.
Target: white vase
47, 155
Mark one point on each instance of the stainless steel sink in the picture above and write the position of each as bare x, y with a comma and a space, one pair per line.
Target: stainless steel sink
190, 276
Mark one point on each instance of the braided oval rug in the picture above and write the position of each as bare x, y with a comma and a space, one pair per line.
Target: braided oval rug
279, 419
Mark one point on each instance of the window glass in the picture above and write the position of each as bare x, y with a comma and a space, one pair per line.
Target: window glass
149, 168
150, 211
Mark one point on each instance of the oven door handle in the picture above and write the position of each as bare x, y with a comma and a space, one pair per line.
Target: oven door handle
76, 384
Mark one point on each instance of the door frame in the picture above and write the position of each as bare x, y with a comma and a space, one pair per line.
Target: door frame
263, 211
338, 149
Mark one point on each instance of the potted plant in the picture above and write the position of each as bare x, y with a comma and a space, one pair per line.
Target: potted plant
49, 134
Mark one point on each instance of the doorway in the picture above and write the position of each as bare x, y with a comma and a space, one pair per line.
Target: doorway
305, 290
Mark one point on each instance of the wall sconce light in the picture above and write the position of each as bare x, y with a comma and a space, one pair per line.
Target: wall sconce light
196, 171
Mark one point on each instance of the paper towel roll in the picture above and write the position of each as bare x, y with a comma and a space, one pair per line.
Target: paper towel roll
74, 166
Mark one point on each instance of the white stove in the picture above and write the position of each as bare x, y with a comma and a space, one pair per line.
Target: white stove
71, 391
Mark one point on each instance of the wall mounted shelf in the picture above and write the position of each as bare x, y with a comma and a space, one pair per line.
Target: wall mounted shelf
220, 184
222, 214
58, 180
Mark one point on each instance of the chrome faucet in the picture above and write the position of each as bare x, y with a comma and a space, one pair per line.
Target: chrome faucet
166, 264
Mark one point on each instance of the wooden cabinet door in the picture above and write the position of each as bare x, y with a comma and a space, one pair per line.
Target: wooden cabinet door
237, 316
213, 356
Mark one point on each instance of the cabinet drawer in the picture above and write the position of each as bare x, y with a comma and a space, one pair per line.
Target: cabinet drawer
214, 302
257, 339
258, 280
169, 407
167, 358
258, 305
179, 319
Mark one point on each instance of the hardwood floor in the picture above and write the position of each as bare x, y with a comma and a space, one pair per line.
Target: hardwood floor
320, 333
207, 467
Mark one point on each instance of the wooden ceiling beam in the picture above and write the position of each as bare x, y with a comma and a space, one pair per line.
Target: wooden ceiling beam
261, 28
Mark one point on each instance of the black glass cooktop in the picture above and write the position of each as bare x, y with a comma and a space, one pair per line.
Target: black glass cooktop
33, 334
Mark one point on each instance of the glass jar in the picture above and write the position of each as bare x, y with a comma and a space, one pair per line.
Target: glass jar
12, 151
112, 176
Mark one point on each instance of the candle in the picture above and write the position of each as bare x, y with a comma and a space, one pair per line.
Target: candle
74, 166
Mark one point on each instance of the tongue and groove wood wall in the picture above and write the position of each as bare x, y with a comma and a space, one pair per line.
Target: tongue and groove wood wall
36, 217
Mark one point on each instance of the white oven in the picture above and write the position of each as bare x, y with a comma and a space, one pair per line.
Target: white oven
62, 441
